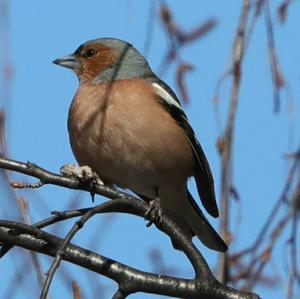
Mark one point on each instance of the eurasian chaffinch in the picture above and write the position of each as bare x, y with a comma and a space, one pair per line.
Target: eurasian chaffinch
129, 127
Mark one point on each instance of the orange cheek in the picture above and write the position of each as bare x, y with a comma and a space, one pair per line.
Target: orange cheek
92, 67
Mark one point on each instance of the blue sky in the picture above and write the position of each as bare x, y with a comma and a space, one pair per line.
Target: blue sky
41, 31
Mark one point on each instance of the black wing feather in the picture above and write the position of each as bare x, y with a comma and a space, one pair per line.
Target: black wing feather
203, 176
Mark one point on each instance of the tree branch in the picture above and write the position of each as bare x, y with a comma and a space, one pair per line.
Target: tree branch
130, 280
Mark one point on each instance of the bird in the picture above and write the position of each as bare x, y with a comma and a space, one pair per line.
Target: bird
128, 126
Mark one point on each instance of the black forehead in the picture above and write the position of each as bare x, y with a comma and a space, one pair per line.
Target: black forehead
79, 50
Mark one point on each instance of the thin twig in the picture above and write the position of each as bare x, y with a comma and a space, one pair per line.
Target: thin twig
75, 228
76, 290
294, 275
226, 154
150, 27
277, 77
273, 213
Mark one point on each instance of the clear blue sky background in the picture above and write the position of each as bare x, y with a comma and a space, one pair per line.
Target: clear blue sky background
44, 30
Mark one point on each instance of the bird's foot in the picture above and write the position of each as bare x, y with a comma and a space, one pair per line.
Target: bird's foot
154, 211
84, 174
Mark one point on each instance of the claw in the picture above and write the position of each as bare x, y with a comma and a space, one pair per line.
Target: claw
154, 211
83, 173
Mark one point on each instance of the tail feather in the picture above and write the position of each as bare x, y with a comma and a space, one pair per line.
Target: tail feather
202, 228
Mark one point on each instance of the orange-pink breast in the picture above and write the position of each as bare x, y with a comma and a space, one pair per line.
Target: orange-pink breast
127, 137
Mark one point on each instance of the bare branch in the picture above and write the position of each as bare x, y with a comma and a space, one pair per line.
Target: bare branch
277, 77
76, 290
226, 153
130, 280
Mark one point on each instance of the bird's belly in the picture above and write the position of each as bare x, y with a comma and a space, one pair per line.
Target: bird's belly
128, 164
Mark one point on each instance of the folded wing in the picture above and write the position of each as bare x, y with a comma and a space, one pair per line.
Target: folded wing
203, 176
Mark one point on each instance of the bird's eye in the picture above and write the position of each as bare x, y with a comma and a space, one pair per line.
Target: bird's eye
90, 53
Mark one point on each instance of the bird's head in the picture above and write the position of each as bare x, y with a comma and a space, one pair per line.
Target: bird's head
106, 59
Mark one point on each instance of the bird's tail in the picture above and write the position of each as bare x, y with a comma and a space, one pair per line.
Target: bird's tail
201, 227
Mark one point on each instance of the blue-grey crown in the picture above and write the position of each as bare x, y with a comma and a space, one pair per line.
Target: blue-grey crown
132, 63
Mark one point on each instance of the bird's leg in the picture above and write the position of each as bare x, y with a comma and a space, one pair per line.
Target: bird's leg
154, 209
83, 173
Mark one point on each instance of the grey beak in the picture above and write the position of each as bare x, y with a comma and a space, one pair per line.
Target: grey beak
68, 61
